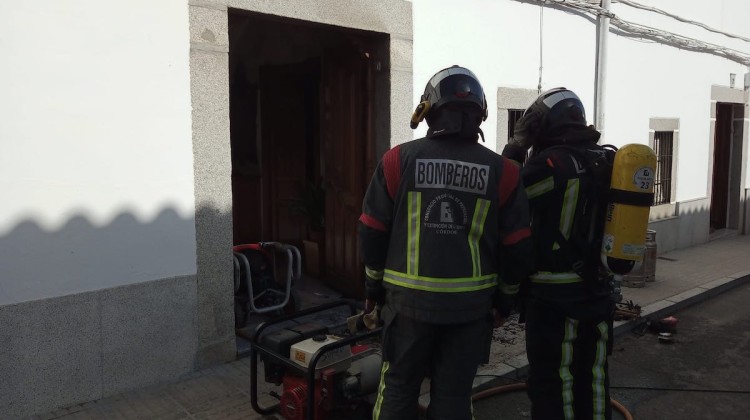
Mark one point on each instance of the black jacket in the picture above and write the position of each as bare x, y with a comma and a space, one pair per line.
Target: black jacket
445, 225
558, 185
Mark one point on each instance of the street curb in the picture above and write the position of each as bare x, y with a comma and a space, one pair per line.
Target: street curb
656, 310
668, 306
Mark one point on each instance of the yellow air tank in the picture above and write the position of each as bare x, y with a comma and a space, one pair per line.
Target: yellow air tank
631, 196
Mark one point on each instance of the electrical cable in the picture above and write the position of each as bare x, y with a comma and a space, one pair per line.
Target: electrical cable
642, 31
541, 50
681, 19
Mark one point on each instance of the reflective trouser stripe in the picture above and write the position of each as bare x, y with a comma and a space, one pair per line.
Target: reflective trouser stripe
571, 332
541, 187
414, 213
475, 233
434, 284
598, 371
381, 391
545, 277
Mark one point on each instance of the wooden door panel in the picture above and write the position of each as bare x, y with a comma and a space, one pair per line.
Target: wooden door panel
346, 137
283, 139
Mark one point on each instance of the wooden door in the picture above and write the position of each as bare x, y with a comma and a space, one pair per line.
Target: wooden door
347, 145
721, 164
283, 127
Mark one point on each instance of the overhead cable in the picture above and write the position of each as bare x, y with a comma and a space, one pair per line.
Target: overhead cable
659, 35
681, 19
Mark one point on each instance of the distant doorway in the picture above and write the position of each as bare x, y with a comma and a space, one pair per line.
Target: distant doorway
302, 137
727, 168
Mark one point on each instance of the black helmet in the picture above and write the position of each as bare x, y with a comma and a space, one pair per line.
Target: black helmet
454, 85
551, 114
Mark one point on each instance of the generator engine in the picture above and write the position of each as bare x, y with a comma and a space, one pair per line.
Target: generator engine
345, 380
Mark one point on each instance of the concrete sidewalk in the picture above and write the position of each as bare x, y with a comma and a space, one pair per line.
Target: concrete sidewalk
683, 277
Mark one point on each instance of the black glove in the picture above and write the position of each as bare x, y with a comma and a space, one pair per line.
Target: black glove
374, 291
526, 130
514, 153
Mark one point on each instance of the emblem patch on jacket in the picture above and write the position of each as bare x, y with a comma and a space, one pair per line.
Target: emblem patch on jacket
446, 215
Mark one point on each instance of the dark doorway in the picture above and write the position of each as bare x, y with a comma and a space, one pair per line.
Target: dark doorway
722, 152
727, 167
301, 119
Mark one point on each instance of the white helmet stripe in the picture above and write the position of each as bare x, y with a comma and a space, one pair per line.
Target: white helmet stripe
556, 97
450, 71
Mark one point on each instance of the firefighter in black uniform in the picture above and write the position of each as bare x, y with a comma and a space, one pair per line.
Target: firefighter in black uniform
442, 219
568, 309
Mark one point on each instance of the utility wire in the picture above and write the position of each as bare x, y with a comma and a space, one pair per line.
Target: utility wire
647, 32
681, 19
541, 43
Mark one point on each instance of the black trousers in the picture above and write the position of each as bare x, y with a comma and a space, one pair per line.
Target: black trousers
568, 368
448, 354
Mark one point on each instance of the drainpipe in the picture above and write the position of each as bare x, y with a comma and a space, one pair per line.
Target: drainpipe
746, 85
602, 27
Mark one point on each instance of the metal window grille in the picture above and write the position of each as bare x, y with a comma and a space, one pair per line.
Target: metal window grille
663, 147
513, 116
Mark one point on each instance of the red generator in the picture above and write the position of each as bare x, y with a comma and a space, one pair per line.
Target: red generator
323, 375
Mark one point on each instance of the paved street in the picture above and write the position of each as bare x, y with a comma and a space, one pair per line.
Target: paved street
704, 374
710, 354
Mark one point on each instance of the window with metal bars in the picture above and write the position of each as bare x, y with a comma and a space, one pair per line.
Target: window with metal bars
663, 147
513, 116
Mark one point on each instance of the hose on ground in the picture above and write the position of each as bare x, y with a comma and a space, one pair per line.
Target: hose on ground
521, 386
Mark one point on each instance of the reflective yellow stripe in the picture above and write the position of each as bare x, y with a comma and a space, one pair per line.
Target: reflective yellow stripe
381, 391
598, 371
569, 207
540, 188
435, 284
414, 213
545, 277
571, 332
475, 233
374, 274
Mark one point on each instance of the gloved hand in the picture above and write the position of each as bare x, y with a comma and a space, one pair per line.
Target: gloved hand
374, 293
525, 131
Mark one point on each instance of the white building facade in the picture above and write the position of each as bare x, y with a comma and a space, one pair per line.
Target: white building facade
116, 157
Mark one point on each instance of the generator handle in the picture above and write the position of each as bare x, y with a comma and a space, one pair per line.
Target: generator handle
326, 306
293, 257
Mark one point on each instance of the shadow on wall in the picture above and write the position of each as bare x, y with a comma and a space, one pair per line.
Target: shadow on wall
80, 256
90, 311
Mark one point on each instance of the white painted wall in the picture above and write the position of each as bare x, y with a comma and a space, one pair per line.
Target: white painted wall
654, 80
499, 41
96, 164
